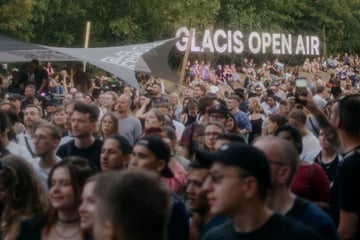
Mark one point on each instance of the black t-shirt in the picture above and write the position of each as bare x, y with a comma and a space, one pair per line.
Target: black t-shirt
92, 153
276, 228
40, 74
345, 194
330, 168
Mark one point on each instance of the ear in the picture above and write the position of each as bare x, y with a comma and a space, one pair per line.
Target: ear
283, 174
109, 231
93, 126
160, 165
250, 187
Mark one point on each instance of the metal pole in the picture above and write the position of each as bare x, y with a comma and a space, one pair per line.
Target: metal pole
185, 60
86, 44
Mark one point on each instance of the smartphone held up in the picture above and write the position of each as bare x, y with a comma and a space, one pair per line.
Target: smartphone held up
300, 89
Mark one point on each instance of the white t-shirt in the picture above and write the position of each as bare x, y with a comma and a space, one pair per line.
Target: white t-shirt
25, 140
20, 150
310, 144
43, 173
179, 128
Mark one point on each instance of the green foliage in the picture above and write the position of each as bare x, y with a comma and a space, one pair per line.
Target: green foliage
114, 22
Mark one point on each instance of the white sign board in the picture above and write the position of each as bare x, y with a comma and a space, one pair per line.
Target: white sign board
221, 41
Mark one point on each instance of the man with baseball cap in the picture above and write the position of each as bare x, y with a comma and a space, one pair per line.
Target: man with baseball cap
237, 186
219, 113
17, 100
153, 153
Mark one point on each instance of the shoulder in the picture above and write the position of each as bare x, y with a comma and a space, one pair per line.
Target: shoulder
98, 142
223, 231
312, 216
30, 229
310, 156
350, 161
350, 166
67, 144
291, 229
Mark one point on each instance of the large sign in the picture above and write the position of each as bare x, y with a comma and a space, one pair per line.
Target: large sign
221, 41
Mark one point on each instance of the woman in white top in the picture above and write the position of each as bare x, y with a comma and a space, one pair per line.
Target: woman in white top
8, 137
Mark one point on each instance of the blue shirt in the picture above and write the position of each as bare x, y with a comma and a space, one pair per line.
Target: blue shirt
312, 216
242, 121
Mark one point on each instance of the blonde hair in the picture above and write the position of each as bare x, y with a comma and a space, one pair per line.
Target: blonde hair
258, 107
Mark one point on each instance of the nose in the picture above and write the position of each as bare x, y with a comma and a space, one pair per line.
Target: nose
189, 189
54, 188
133, 161
82, 207
208, 185
104, 155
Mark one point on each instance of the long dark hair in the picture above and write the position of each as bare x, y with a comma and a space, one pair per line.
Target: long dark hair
5, 126
26, 194
79, 170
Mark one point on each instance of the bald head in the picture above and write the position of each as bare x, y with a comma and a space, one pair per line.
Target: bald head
280, 152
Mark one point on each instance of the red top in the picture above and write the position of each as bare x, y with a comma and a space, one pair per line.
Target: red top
312, 183
179, 180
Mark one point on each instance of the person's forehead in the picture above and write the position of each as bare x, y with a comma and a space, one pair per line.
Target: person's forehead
212, 127
196, 173
123, 98
111, 143
140, 148
216, 114
77, 114
107, 118
61, 173
32, 109
43, 131
218, 168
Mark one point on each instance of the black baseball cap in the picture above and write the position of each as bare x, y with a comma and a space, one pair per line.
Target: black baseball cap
160, 149
219, 108
246, 157
16, 96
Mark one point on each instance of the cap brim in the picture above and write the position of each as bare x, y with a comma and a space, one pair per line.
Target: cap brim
15, 98
206, 157
167, 173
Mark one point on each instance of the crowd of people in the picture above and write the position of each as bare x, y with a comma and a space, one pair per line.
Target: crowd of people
236, 153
